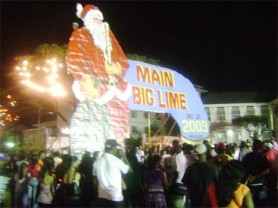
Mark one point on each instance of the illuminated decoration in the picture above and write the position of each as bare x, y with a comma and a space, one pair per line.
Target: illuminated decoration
98, 65
42, 78
158, 89
108, 86
6, 107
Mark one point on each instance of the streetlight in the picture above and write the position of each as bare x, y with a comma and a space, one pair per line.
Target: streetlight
6, 115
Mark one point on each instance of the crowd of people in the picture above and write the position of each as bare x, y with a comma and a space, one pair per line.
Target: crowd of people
180, 175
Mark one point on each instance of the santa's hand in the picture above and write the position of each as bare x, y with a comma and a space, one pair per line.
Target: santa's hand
109, 95
113, 69
87, 87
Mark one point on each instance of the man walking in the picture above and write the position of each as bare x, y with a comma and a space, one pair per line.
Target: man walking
107, 171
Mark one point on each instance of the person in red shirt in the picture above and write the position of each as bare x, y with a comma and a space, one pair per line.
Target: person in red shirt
33, 172
272, 156
34, 167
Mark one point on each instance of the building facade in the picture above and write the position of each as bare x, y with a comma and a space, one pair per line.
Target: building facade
222, 108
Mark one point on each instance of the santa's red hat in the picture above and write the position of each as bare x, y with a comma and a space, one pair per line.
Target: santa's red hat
87, 8
83, 11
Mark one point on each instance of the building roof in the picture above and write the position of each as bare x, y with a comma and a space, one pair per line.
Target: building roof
236, 97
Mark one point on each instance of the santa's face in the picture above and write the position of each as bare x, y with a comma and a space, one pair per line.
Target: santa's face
98, 29
94, 27
93, 19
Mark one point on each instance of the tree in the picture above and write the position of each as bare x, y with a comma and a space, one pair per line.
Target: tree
34, 145
39, 65
255, 125
143, 58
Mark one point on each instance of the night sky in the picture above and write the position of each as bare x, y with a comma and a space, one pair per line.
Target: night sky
222, 46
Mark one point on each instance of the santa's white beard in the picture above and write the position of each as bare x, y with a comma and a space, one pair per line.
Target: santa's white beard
99, 34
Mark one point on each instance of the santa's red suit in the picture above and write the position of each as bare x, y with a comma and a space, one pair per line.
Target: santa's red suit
85, 58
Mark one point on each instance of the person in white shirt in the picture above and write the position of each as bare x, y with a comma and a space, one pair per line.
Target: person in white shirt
107, 171
140, 155
180, 161
180, 164
164, 154
243, 150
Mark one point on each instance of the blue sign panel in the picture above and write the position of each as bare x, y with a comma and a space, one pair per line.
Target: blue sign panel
162, 90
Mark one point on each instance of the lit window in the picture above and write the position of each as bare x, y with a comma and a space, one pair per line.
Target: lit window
221, 114
250, 110
221, 136
208, 113
145, 115
264, 110
238, 135
133, 129
133, 114
235, 112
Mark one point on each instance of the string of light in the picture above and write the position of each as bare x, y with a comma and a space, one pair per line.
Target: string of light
42, 78
5, 111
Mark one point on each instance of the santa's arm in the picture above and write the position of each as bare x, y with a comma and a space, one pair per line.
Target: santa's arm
76, 90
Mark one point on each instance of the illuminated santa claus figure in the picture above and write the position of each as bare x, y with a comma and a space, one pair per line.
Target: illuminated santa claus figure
98, 65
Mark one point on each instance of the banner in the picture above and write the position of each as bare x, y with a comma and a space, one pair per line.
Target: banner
162, 90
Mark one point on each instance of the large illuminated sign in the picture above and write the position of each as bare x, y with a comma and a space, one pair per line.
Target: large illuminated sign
158, 89
108, 86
